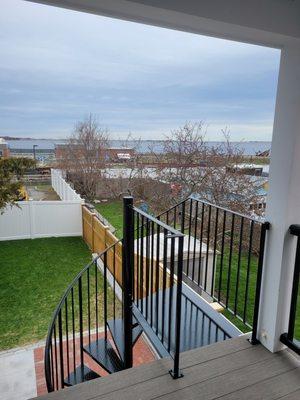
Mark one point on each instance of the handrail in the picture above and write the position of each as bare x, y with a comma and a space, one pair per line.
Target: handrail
56, 318
238, 214
256, 219
158, 222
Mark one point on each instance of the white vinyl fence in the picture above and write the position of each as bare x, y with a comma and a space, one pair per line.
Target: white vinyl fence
37, 219
62, 188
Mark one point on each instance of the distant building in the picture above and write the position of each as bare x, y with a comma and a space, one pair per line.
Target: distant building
111, 154
4, 149
250, 169
121, 154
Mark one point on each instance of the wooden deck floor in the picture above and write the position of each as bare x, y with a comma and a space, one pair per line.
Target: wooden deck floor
229, 370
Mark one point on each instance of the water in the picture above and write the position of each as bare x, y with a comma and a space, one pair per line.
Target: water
144, 146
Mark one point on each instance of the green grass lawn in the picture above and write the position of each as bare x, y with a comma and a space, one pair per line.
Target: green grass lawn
113, 212
241, 295
237, 292
34, 275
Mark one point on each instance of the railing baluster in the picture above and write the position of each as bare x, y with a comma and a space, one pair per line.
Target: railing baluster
56, 362
96, 300
142, 266
147, 241
89, 305
61, 351
248, 272
105, 294
157, 276
73, 330
230, 261
200, 272
165, 254
195, 240
238, 266
215, 253
80, 325
207, 247
182, 217
114, 282
52, 370
189, 237
138, 259
222, 256
152, 272
67, 335
175, 217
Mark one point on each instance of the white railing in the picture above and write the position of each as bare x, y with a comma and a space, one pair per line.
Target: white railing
62, 188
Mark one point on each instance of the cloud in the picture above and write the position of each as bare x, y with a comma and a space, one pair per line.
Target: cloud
58, 65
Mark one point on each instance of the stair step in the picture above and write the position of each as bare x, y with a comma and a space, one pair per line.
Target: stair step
104, 354
116, 329
81, 374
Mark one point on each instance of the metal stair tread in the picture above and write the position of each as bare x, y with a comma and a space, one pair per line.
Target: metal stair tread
104, 354
116, 329
81, 374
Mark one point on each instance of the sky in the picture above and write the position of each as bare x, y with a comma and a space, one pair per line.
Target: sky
57, 66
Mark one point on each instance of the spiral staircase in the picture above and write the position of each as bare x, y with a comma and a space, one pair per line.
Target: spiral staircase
153, 281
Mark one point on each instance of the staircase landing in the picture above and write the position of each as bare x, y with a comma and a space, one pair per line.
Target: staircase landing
228, 370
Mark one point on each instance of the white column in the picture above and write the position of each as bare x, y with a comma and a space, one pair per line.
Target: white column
283, 202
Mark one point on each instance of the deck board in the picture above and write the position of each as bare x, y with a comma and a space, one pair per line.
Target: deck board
228, 370
292, 396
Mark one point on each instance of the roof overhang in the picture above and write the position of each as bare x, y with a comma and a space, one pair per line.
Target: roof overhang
272, 23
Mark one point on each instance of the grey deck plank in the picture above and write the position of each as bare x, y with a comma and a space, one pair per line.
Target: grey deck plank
273, 388
164, 385
228, 370
149, 371
292, 396
232, 381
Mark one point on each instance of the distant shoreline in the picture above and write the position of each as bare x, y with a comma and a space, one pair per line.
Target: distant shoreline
13, 138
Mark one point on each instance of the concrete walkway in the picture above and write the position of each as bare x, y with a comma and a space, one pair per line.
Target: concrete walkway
17, 374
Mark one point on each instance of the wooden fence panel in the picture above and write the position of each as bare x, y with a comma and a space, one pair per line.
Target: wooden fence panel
87, 226
98, 237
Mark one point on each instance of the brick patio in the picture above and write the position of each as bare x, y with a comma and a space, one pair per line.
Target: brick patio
142, 354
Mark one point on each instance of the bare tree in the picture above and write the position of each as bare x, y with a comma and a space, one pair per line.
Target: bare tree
84, 157
190, 165
137, 177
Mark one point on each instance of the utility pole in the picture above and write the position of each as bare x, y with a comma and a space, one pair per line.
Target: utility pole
33, 147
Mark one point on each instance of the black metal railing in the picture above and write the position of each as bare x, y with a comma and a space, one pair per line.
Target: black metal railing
291, 338
222, 257
81, 323
157, 291
144, 281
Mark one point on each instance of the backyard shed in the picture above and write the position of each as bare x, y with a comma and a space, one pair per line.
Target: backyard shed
198, 259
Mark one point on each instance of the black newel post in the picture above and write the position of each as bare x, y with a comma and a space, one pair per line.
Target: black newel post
127, 276
175, 372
